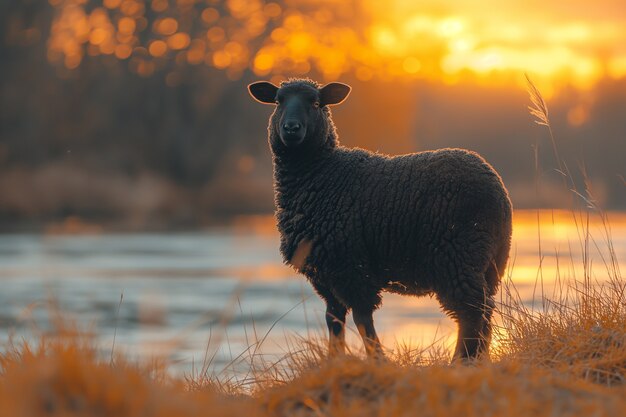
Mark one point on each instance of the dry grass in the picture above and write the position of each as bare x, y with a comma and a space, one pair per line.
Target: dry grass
566, 358
579, 332
561, 363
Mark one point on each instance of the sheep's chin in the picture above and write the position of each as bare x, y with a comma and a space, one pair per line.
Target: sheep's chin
292, 141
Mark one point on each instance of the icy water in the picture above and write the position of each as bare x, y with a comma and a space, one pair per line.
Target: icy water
211, 297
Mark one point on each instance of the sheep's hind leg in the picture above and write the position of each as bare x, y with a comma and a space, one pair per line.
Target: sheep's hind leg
336, 322
365, 324
474, 321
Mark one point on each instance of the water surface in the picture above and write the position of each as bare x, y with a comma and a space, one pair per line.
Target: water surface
186, 297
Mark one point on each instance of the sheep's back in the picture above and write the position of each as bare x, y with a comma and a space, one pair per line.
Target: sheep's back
394, 218
410, 210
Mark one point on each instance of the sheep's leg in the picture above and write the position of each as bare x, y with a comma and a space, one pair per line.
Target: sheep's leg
474, 331
365, 325
336, 322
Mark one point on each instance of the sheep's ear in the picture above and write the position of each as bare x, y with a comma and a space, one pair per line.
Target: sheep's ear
263, 92
334, 93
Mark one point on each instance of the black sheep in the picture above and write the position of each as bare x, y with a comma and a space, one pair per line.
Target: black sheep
357, 223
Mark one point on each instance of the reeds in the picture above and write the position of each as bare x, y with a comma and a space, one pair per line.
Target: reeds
581, 330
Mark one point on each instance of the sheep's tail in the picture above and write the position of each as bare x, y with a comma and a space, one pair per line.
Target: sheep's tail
496, 268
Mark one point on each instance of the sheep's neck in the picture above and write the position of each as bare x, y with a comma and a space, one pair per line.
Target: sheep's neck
295, 173
291, 171
287, 162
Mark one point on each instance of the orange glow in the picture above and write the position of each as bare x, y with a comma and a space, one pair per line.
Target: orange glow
221, 59
108, 47
72, 61
446, 40
578, 115
123, 51
178, 41
157, 48
159, 5
263, 63
126, 25
98, 36
617, 67
561, 235
167, 26
131, 8
272, 10
195, 55
246, 164
111, 4
125, 37
411, 65
210, 15
99, 18
215, 34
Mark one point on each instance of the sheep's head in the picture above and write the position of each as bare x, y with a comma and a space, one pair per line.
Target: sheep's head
301, 115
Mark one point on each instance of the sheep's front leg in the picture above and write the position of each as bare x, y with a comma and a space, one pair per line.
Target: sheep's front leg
365, 324
336, 322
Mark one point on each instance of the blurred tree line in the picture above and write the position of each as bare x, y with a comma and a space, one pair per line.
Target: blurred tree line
104, 118
106, 112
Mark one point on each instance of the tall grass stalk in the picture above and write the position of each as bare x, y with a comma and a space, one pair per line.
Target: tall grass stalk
581, 329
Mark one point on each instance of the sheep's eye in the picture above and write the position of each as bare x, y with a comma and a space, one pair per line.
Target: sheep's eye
316, 104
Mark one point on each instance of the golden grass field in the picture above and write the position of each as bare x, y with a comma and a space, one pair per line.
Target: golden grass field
569, 362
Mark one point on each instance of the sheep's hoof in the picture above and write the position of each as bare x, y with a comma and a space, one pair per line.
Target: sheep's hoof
333, 355
381, 358
377, 355
464, 361
469, 360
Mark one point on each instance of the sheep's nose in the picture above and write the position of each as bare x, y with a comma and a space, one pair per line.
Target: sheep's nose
292, 126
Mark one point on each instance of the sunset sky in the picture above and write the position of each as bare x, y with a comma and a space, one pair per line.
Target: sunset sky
576, 42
